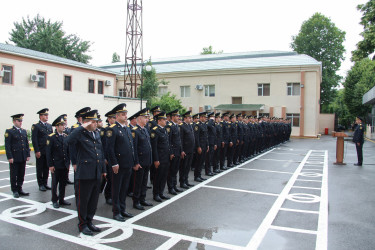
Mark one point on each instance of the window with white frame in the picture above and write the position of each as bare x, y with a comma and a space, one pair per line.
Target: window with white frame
8, 74
264, 89
294, 118
185, 91
209, 90
294, 88
42, 79
121, 92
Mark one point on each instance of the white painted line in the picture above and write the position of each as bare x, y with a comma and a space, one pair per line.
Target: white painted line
8, 178
267, 221
306, 187
5, 199
263, 170
295, 230
169, 243
276, 160
322, 237
308, 180
299, 210
56, 222
241, 190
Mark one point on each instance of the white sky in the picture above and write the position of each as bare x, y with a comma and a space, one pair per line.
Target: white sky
174, 28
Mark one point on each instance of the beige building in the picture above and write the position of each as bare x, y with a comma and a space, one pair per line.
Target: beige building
274, 83
31, 80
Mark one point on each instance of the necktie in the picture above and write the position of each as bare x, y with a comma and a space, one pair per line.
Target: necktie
93, 135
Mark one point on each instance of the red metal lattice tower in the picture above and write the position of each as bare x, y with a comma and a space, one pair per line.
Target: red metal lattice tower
134, 48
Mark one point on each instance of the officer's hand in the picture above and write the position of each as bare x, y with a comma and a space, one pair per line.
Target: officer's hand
37, 155
75, 167
104, 175
28, 158
52, 169
115, 169
183, 155
215, 147
171, 156
11, 161
157, 164
137, 167
222, 144
199, 150
359, 144
208, 149
86, 124
106, 162
230, 144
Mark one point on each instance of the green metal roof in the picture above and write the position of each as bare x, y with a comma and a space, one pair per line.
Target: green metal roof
239, 107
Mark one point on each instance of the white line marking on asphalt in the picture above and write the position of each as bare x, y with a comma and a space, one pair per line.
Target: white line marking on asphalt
299, 210
169, 243
56, 222
276, 160
306, 187
308, 180
5, 199
295, 230
263, 170
240, 190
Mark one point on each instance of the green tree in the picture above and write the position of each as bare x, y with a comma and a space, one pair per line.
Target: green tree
47, 36
359, 80
208, 50
366, 47
338, 106
168, 103
322, 40
115, 58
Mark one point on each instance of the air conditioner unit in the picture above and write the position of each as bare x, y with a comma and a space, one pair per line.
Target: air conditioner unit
1, 73
207, 107
34, 78
108, 83
199, 87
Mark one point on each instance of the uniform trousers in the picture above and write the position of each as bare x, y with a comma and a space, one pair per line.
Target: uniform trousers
120, 185
223, 155
42, 170
209, 159
359, 153
173, 170
160, 178
17, 175
199, 162
87, 200
140, 183
185, 168
58, 178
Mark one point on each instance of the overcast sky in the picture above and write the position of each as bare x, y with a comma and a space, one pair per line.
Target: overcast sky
174, 28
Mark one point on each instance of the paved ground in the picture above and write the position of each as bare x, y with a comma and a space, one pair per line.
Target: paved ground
291, 197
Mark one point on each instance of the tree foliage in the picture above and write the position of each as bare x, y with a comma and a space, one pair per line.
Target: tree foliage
168, 103
115, 57
46, 36
366, 47
208, 50
322, 40
359, 80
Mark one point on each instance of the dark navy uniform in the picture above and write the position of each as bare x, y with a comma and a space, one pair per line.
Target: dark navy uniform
188, 146
40, 132
17, 148
358, 139
219, 143
212, 140
90, 168
201, 141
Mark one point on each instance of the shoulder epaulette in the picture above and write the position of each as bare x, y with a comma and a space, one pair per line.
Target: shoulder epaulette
135, 128
51, 134
105, 126
155, 128
76, 125
114, 124
180, 124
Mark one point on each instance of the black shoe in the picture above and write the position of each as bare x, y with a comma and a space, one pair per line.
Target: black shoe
42, 188
93, 228
203, 179
157, 198
22, 193
178, 190
87, 231
130, 194
164, 197
192, 169
189, 185
209, 174
171, 191
145, 203
138, 206
69, 182
16, 195
108, 201
149, 187
47, 187
357, 164
55, 205
184, 186
198, 179
126, 214
119, 217
66, 203
217, 171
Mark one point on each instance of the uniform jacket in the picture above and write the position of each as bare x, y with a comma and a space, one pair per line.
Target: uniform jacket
211, 131
226, 132
16, 144
72, 147
90, 156
233, 132
201, 135
142, 146
120, 147
39, 136
57, 151
187, 137
219, 133
160, 145
173, 130
358, 134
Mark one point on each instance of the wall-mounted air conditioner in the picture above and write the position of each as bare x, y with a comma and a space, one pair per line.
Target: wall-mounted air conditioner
207, 107
199, 87
108, 83
34, 78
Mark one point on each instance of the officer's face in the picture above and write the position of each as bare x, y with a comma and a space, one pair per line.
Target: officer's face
162, 122
175, 118
187, 120
17, 123
142, 120
43, 118
122, 117
111, 120
92, 126
60, 128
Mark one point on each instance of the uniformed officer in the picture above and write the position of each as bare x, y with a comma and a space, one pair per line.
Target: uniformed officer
40, 132
227, 142
161, 155
143, 159
89, 170
359, 140
122, 160
132, 123
188, 144
233, 135
67, 132
201, 141
17, 152
219, 143
212, 140
150, 125
173, 130
195, 118
58, 161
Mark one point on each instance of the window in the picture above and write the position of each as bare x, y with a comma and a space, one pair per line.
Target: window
264, 114
162, 90
209, 90
8, 74
121, 92
294, 118
263, 89
236, 100
68, 83
185, 91
91, 86
100, 87
294, 88
42, 79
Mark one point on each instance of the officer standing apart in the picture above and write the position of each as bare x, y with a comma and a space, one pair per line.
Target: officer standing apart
18, 152
58, 161
40, 132
143, 159
121, 158
89, 170
359, 140
161, 156
188, 143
